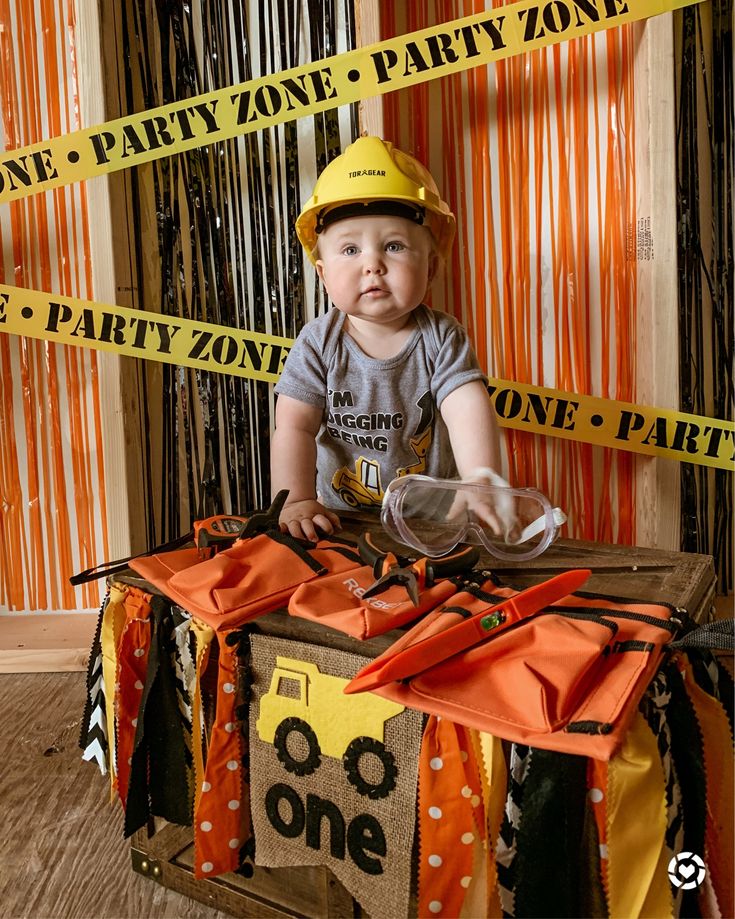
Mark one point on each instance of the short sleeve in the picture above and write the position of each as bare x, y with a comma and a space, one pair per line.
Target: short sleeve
456, 361
304, 374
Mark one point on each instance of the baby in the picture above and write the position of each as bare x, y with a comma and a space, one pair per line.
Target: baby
381, 386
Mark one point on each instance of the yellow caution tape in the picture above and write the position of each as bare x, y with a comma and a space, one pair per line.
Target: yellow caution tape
139, 333
255, 356
609, 423
450, 47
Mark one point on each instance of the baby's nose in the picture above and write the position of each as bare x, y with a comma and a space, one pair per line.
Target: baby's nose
374, 263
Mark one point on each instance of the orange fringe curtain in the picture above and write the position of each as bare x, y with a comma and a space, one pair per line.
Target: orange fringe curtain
535, 155
52, 489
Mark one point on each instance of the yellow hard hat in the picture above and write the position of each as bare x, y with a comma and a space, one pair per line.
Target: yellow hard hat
374, 177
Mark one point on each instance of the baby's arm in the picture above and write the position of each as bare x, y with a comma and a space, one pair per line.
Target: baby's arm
473, 431
293, 466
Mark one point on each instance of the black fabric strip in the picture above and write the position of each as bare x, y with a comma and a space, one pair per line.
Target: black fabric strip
549, 870
723, 683
688, 756
159, 776
592, 899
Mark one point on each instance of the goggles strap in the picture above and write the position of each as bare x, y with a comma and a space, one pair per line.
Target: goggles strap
538, 526
534, 528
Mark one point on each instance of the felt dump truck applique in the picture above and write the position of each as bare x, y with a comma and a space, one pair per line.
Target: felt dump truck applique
305, 715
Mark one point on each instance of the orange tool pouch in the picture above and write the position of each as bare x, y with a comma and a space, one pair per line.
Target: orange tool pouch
254, 576
338, 602
359, 605
565, 678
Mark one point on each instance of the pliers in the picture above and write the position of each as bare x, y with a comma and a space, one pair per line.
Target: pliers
265, 521
413, 574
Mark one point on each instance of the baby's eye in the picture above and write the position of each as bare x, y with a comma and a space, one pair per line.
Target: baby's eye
349, 250
394, 246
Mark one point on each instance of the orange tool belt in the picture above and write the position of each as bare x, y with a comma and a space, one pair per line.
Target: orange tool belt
254, 576
388, 591
562, 674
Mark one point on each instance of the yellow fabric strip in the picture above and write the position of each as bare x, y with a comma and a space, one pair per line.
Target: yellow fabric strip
113, 621
638, 883
203, 636
494, 785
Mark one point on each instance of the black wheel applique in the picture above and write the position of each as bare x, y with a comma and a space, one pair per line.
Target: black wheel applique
280, 742
349, 498
351, 762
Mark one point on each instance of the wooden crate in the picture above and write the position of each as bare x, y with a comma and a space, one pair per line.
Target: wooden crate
167, 857
684, 580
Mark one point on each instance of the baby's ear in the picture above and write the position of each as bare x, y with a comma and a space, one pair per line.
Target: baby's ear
433, 265
319, 265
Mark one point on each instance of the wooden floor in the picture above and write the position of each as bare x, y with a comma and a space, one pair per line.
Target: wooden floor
62, 853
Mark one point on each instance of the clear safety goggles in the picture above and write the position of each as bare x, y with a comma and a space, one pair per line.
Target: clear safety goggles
434, 516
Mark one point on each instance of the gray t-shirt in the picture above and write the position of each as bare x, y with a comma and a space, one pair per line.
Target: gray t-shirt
381, 417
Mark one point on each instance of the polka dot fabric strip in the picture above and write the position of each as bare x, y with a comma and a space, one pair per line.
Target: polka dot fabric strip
451, 817
132, 666
222, 818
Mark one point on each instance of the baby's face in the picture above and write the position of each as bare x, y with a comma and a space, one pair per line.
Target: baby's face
376, 268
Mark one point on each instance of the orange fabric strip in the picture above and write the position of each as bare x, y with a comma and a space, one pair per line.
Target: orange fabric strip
451, 817
222, 818
132, 666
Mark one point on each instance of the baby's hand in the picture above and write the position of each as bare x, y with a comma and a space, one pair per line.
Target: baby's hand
470, 507
495, 511
301, 519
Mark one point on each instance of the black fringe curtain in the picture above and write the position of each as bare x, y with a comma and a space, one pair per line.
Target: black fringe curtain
215, 237
705, 162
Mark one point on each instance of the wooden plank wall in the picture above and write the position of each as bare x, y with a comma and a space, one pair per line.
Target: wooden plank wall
657, 383
105, 249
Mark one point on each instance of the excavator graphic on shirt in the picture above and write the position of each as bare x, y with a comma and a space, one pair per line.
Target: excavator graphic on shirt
362, 487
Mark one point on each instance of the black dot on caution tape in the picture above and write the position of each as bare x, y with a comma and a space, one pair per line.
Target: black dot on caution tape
73, 156
353, 75
26, 312
596, 420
